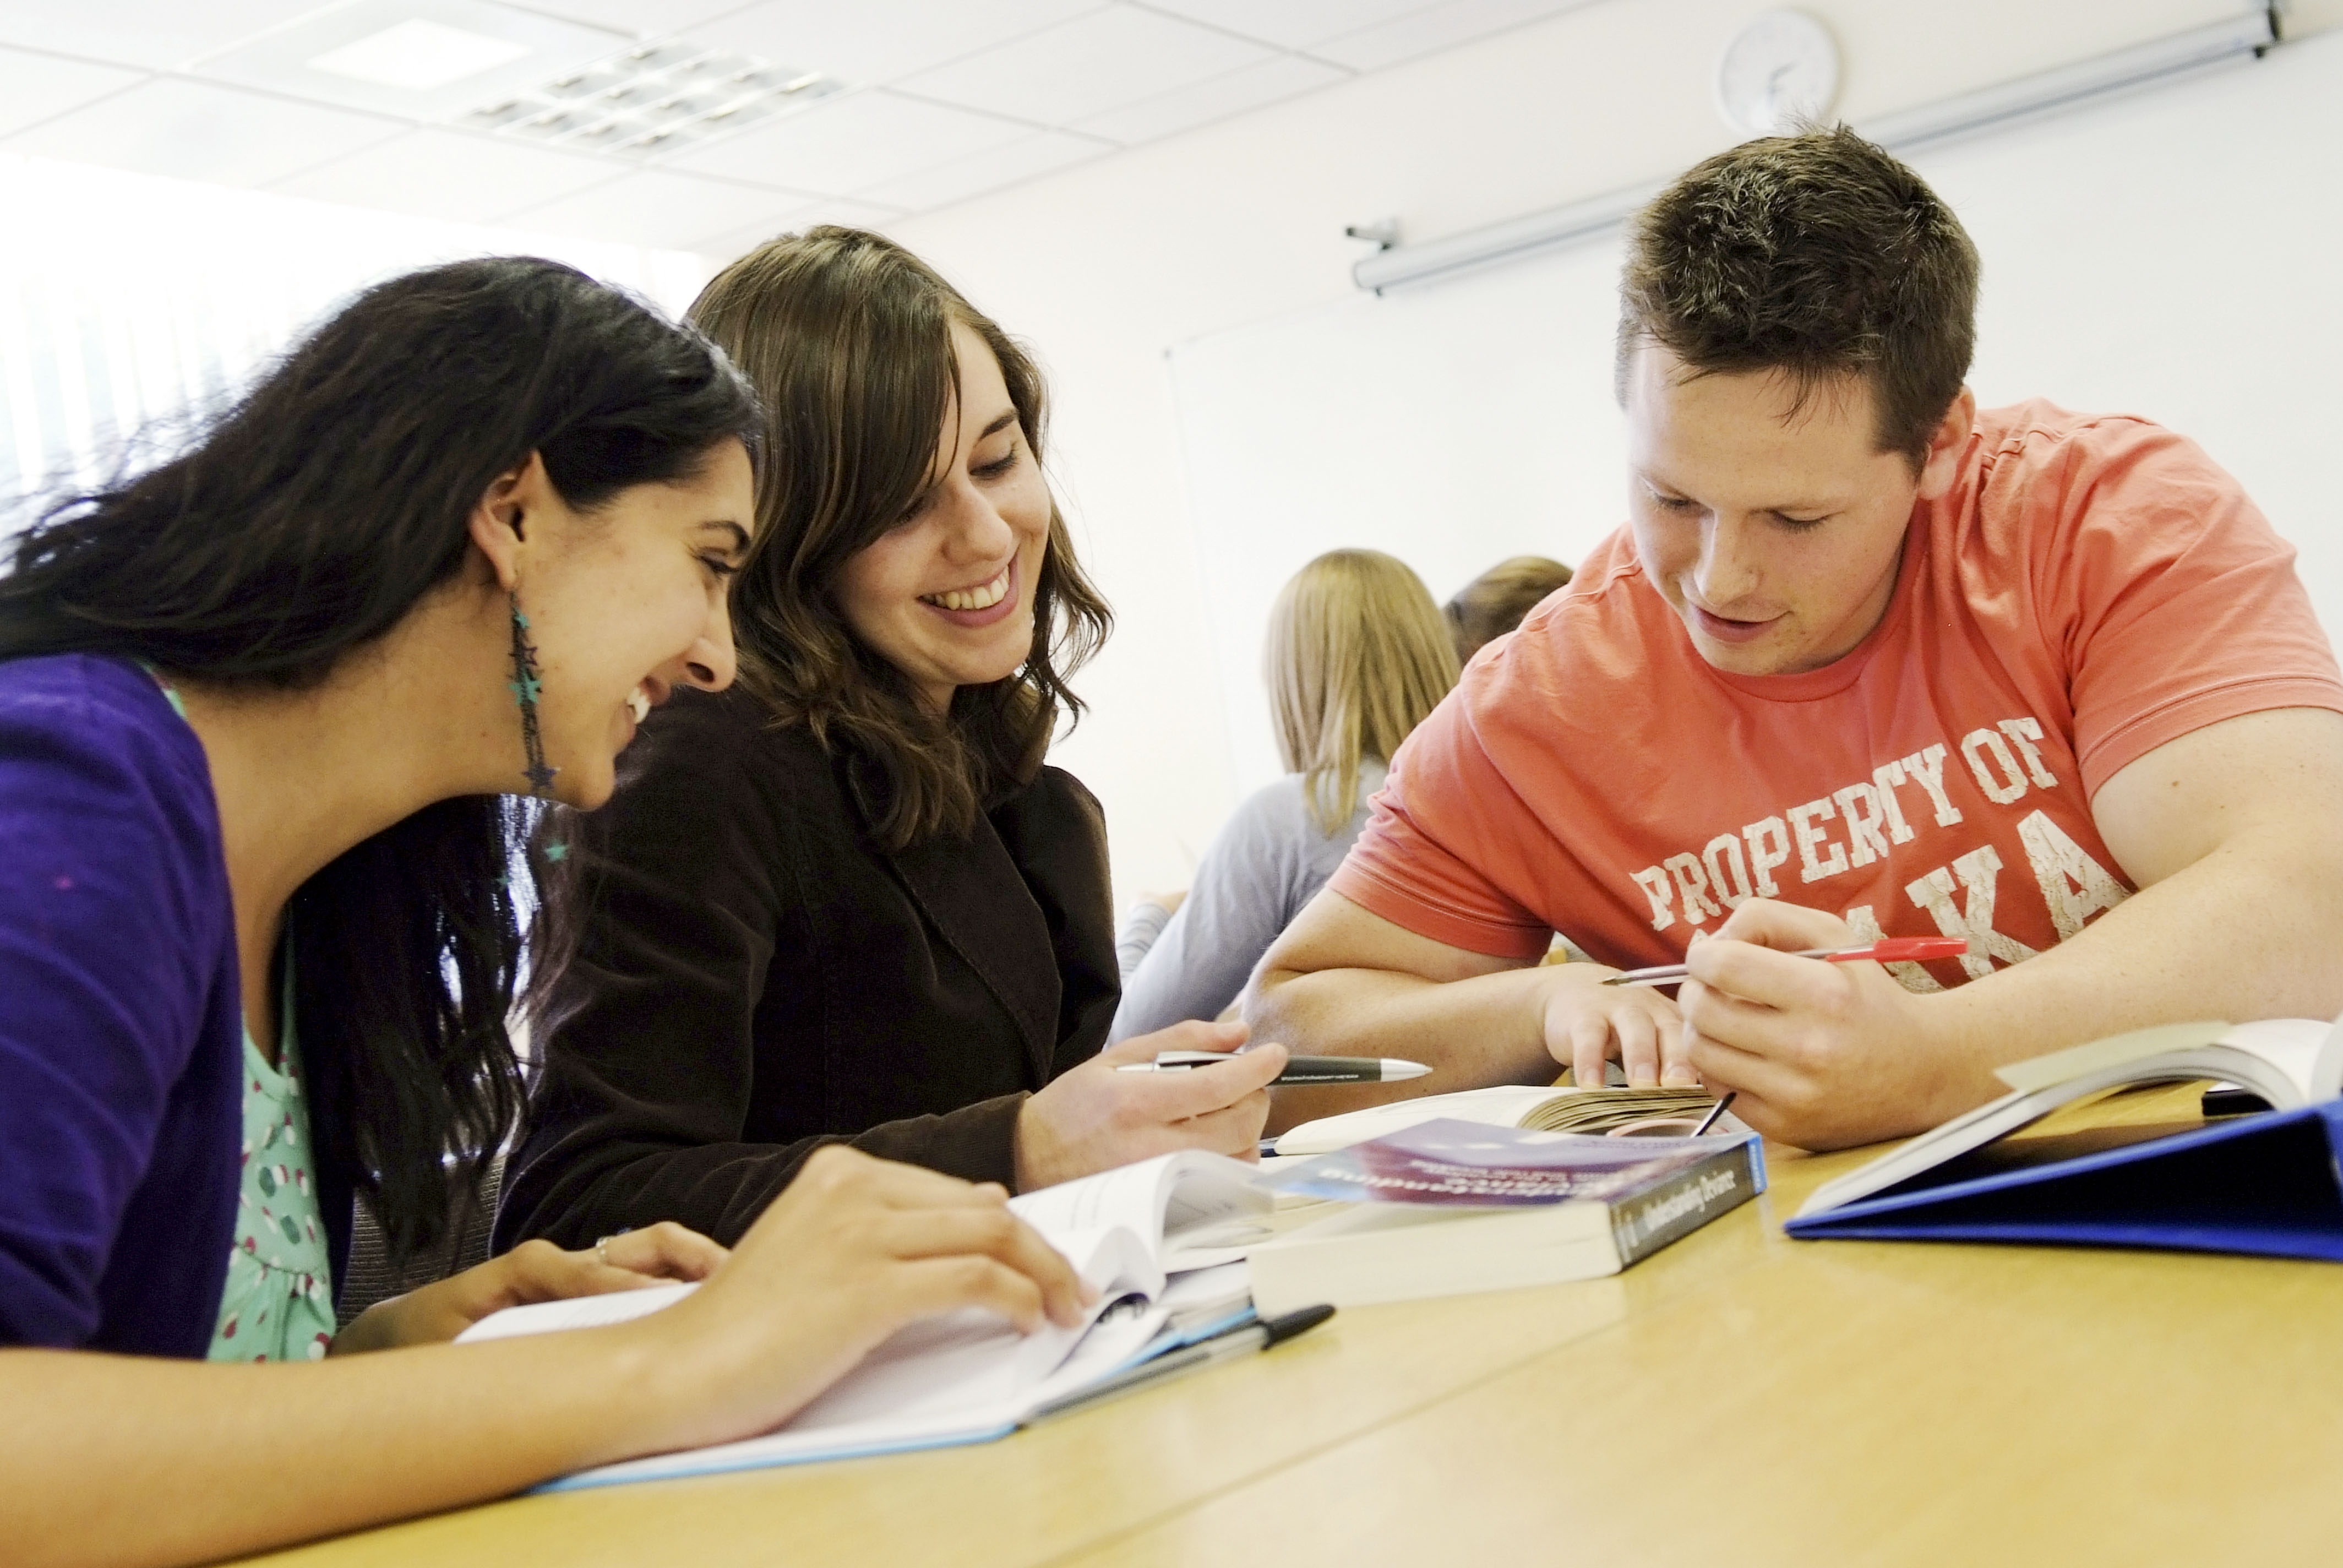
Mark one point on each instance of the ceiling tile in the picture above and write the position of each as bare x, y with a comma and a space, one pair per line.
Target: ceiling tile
194, 131
972, 176
1087, 66
1434, 28
643, 19
148, 32
852, 142
527, 50
870, 44
451, 175
849, 214
35, 88
659, 208
1291, 24
1214, 98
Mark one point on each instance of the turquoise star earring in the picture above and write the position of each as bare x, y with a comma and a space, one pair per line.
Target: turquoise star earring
525, 687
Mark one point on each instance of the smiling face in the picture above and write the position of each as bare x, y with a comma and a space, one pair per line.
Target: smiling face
947, 595
1774, 531
625, 603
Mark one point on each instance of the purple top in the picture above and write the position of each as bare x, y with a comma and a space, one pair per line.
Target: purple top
121, 1031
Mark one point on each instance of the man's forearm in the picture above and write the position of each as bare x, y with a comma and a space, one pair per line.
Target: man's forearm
1472, 1033
2254, 929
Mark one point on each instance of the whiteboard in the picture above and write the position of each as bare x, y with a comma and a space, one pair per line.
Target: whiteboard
2176, 253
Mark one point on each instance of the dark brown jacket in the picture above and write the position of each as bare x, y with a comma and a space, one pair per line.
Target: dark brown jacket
756, 978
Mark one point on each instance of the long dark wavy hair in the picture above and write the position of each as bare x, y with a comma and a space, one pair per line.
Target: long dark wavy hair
847, 337
302, 523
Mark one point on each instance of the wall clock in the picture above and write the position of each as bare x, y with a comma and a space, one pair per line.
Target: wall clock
1782, 68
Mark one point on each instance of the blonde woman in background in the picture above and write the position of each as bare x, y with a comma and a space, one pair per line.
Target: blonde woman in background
1358, 655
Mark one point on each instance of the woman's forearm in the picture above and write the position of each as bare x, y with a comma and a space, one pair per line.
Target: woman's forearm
124, 1460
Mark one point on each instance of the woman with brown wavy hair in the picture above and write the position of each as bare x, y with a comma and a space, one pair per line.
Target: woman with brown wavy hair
846, 901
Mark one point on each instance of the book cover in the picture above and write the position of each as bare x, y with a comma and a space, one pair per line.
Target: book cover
1471, 1165
2264, 1184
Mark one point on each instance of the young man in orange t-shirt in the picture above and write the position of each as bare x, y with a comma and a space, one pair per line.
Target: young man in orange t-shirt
1864, 661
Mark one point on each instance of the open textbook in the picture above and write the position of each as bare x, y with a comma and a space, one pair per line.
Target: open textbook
970, 1377
2260, 1183
1446, 1207
1537, 1108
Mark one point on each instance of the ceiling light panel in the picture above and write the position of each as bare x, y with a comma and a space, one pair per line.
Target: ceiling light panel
418, 59
1087, 66
654, 99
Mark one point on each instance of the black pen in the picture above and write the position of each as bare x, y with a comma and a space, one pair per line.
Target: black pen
1714, 1111
1246, 1340
1298, 1070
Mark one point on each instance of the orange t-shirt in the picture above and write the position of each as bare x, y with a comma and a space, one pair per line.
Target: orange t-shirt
2090, 588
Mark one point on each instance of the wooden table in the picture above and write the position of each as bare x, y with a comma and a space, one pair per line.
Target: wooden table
1740, 1399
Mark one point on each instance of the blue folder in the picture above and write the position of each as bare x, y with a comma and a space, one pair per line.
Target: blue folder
2264, 1184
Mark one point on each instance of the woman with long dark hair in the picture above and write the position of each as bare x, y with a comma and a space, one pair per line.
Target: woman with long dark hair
264, 711
848, 901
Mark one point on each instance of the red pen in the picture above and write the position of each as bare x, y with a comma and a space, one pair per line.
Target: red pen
1893, 949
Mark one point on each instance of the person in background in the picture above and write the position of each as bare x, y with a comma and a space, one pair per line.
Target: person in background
263, 709
847, 901
1357, 655
1493, 603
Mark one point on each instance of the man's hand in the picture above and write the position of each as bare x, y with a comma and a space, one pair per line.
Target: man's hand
1587, 1023
532, 1271
1095, 1118
1822, 1055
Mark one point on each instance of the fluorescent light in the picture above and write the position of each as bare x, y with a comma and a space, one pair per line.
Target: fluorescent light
2242, 38
656, 98
417, 56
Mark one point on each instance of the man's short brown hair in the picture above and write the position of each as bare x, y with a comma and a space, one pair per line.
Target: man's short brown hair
1818, 254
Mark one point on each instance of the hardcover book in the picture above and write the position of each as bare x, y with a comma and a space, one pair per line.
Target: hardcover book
2265, 1183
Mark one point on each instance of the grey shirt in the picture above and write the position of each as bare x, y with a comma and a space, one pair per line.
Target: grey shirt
1268, 860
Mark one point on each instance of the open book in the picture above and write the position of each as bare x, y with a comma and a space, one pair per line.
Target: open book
1612, 1112
970, 1377
2288, 1061
2266, 1183
1447, 1207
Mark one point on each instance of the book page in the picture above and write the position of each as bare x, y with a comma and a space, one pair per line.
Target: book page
575, 1312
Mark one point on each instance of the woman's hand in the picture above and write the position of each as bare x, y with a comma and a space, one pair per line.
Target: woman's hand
855, 1249
1095, 1118
532, 1271
1587, 1023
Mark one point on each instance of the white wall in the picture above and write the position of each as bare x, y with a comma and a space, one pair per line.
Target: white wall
2136, 259
1109, 267
125, 298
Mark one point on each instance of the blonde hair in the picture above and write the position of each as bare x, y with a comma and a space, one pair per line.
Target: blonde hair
1358, 655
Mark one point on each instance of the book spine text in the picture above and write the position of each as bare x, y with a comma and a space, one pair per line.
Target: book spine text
1686, 1201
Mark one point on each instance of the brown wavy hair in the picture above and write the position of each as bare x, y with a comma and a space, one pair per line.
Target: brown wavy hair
846, 336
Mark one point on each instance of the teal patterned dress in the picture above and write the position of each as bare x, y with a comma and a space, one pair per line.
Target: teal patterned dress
278, 1304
